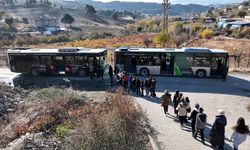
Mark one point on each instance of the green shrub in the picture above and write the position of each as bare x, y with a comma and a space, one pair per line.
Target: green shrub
62, 131
139, 29
241, 13
100, 35
207, 33
48, 94
196, 27
117, 126
160, 39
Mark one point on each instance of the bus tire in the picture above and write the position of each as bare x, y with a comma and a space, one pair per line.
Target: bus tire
35, 72
144, 72
201, 73
82, 73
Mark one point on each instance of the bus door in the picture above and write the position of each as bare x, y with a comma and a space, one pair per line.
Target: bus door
217, 65
59, 64
169, 63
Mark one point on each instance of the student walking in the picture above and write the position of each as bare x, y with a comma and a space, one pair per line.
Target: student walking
187, 104
130, 80
138, 84
192, 117
165, 101
201, 120
240, 132
125, 80
147, 86
218, 130
142, 87
134, 84
153, 87
176, 101
182, 113
111, 72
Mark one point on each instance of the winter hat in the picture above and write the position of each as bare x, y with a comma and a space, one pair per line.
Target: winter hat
221, 112
197, 105
166, 91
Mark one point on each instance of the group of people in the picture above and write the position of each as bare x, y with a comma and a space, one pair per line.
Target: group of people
132, 83
198, 120
95, 69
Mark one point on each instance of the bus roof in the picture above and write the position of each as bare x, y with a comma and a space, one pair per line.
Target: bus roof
147, 50
163, 50
78, 50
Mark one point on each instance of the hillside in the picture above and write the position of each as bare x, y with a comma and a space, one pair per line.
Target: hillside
86, 24
145, 8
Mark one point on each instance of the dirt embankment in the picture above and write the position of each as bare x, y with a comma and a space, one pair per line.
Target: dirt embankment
53, 118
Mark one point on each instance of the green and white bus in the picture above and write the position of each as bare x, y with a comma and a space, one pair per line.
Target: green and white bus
199, 62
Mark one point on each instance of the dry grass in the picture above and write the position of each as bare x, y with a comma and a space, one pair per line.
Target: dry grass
80, 124
2, 62
116, 124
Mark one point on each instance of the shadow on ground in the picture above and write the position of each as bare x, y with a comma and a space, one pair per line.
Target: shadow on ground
78, 83
232, 86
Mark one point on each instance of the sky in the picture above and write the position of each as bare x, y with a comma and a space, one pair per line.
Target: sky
204, 2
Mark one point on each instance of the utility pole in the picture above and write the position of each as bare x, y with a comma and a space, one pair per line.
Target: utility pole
165, 5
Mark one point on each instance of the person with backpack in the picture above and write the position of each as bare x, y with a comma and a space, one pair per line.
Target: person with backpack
201, 120
218, 130
165, 101
192, 117
240, 132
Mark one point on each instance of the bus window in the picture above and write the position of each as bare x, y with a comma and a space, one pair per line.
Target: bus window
201, 62
80, 60
157, 61
45, 60
69, 60
35, 60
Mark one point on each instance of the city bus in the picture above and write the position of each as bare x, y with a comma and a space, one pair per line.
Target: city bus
71, 61
199, 62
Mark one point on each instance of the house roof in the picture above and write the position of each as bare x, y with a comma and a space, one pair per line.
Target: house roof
239, 23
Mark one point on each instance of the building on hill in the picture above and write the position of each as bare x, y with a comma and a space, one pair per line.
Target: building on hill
247, 18
42, 24
237, 25
7, 4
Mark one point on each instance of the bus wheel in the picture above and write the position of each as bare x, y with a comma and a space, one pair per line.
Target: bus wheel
35, 72
201, 73
144, 72
82, 73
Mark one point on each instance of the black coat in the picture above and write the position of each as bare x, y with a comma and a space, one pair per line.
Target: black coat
193, 117
218, 130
